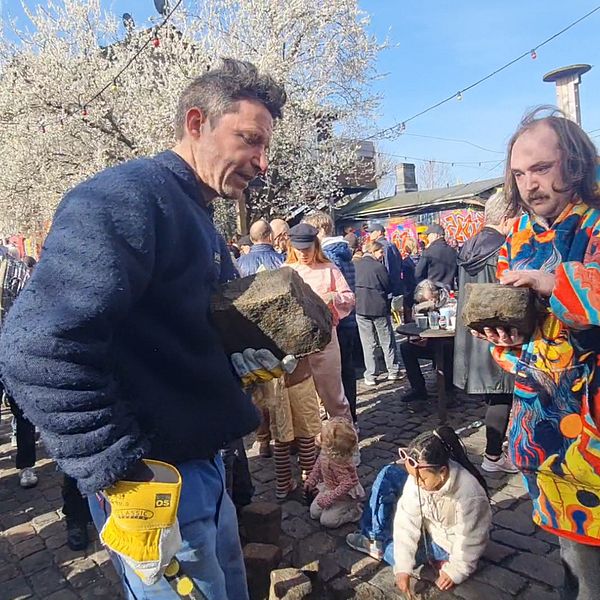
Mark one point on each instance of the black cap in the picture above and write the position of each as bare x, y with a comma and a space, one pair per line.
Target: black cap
377, 227
245, 241
303, 236
435, 228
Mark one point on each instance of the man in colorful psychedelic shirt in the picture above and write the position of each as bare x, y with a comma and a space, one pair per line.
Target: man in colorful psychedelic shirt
554, 249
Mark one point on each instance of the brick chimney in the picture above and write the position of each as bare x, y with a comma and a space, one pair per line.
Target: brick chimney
405, 178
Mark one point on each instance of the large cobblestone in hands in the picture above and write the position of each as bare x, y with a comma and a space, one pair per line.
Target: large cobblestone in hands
496, 305
275, 310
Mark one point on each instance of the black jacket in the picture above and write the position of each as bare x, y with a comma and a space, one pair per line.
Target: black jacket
372, 288
475, 371
109, 349
438, 263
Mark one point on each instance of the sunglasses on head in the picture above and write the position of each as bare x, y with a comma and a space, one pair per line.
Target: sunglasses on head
412, 462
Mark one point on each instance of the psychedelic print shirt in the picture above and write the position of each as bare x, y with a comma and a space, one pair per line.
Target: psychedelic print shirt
553, 434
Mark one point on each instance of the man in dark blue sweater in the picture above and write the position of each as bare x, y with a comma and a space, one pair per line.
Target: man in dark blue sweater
110, 350
391, 258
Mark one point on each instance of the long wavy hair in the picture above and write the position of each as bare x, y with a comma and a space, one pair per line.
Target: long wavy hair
578, 163
294, 257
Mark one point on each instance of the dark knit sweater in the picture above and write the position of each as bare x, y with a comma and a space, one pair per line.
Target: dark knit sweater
109, 349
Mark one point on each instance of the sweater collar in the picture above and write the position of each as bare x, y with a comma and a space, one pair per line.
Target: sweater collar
185, 174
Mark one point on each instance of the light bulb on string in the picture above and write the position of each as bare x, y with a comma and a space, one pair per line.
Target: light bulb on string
533, 54
156, 41
114, 87
84, 112
459, 96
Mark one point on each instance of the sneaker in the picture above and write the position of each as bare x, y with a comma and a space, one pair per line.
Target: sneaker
413, 395
502, 464
369, 382
394, 376
77, 535
28, 478
358, 541
13, 441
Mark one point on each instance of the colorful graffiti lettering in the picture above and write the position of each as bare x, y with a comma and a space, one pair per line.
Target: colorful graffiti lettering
461, 224
400, 231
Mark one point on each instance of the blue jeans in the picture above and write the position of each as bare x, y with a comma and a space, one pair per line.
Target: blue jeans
211, 553
377, 521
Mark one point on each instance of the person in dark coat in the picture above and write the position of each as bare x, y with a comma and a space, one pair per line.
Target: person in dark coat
110, 349
262, 255
438, 261
475, 371
391, 258
338, 251
373, 312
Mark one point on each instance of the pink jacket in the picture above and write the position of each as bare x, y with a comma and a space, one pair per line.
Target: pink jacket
326, 279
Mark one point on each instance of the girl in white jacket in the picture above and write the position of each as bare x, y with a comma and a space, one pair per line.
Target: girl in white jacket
443, 516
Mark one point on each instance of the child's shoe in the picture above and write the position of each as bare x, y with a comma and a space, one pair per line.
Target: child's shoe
358, 541
283, 494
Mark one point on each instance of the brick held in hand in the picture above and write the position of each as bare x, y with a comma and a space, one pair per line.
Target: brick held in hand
496, 305
274, 310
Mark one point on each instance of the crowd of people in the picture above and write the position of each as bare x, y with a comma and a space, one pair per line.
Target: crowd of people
109, 351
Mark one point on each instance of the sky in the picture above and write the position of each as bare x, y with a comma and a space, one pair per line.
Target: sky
438, 47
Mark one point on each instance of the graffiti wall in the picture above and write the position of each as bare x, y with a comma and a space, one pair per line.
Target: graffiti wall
461, 224
400, 230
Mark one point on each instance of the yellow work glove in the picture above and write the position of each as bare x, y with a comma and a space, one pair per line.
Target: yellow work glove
142, 527
257, 366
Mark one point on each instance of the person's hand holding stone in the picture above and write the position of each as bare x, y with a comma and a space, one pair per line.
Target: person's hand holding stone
541, 282
257, 366
499, 336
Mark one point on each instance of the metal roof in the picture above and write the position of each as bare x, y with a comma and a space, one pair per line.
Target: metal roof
474, 193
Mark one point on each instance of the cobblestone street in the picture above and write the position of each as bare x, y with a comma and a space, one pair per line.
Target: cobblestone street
521, 561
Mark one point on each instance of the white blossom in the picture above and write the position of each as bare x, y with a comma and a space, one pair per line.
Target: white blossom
52, 136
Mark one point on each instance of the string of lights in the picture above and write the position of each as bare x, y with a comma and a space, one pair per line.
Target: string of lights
154, 40
400, 127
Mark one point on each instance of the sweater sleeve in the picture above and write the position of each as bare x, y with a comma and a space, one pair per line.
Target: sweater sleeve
407, 529
55, 352
348, 479
316, 474
474, 519
343, 300
576, 297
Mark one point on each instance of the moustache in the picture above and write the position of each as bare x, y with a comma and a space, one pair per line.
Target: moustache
537, 196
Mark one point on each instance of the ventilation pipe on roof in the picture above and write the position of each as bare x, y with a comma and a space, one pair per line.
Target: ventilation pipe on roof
567, 81
406, 180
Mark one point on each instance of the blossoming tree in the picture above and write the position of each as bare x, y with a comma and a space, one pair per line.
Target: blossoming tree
56, 129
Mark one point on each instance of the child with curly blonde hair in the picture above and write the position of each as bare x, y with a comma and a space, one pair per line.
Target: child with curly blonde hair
334, 477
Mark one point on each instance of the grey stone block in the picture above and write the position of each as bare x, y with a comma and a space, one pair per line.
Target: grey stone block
275, 310
289, 584
496, 305
262, 522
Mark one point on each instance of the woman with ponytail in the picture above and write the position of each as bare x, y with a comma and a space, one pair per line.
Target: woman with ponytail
442, 511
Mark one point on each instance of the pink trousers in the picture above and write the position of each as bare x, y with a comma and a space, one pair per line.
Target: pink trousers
326, 367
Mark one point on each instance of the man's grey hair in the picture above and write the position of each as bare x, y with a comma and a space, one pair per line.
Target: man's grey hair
497, 209
218, 91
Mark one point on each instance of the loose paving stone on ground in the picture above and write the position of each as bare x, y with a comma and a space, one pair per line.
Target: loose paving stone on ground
521, 561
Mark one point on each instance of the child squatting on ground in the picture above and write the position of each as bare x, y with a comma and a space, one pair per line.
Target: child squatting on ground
334, 478
442, 512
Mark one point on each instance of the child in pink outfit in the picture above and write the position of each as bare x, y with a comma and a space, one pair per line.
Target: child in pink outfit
306, 258
334, 476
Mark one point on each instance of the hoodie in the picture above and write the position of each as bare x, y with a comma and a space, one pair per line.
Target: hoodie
476, 252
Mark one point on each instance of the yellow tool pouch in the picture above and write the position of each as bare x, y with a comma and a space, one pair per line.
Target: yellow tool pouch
142, 527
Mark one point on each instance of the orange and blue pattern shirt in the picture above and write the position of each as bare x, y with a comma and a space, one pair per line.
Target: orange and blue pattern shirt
554, 438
